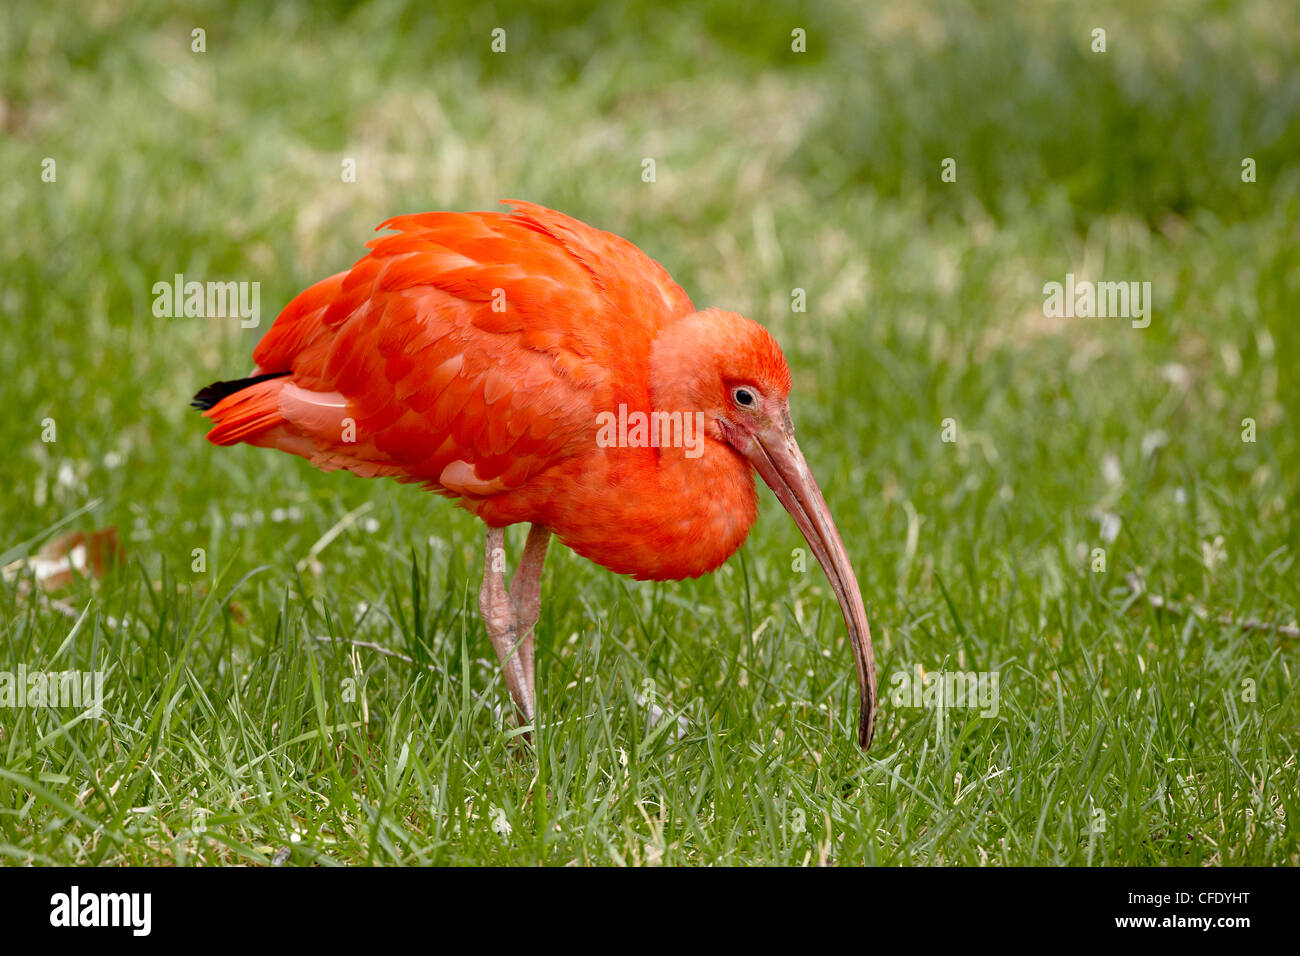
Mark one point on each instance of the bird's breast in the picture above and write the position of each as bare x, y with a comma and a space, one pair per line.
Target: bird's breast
661, 516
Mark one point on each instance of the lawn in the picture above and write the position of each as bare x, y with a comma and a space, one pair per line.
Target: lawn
1096, 514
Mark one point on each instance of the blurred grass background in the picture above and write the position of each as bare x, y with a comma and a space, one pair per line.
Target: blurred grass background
775, 170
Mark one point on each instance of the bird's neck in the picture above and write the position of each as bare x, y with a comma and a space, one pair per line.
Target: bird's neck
685, 498
653, 513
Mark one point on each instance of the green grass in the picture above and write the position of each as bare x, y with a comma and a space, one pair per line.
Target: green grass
240, 716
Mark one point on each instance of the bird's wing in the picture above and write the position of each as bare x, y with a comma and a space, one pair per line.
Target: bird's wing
467, 350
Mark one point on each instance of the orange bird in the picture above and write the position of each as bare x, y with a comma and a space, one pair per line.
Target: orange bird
539, 370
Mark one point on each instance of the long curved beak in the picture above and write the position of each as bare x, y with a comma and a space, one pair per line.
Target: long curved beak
776, 456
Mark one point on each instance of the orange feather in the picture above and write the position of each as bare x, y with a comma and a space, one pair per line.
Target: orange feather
473, 353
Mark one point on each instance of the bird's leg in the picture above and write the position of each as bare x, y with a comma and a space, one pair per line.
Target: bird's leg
501, 621
526, 592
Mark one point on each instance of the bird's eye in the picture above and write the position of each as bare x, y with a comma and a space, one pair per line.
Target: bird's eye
743, 396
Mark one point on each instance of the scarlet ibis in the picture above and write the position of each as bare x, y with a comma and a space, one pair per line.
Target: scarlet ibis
539, 370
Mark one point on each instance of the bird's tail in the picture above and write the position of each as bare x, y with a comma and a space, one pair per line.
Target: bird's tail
242, 407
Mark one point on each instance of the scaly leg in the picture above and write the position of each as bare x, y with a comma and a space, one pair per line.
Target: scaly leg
526, 591
509, 619
500, 620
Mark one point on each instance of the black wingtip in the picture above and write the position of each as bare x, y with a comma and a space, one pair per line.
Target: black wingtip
209, 395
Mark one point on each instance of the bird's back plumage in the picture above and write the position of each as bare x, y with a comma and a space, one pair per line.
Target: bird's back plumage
466, 351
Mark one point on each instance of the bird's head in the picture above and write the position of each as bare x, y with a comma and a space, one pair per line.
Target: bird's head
731, 368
